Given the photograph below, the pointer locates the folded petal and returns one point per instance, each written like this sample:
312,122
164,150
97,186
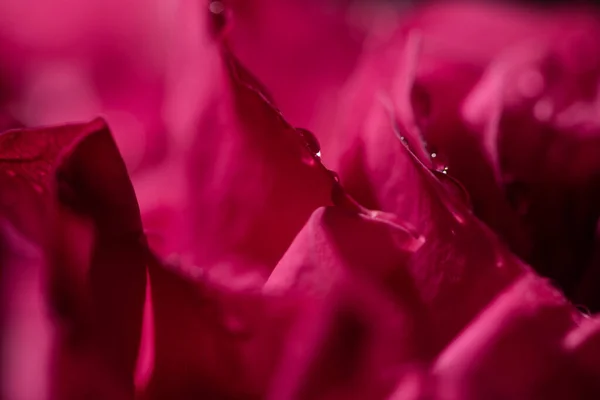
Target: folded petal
363,319
252,178
67,190
544,147
511,349
210,341
385,164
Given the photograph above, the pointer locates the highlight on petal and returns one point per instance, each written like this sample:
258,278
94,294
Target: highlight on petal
581,346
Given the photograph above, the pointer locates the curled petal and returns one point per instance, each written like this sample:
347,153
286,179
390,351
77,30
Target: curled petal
74,200
511,349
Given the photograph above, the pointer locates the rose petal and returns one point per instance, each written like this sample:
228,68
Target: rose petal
362,320
211,341
303,51
511,349
554,198
69,62
27,331
252,179
74,199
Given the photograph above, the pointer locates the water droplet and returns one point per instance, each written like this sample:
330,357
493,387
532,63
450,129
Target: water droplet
218,17
11,173
433,155
585,312
216,7
457,191
318,154
311,140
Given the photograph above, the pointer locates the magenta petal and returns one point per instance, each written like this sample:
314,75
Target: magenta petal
461,265
75,200
582,345
547,168
362,316
211,342
511,349
252,179
70,61
302,51
27,330
208,337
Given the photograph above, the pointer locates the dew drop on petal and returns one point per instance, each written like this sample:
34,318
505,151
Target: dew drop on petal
216,7
311,141
433,155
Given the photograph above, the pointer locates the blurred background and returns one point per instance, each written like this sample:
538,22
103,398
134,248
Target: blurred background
71,60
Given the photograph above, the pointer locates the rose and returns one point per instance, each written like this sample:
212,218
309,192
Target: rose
419,300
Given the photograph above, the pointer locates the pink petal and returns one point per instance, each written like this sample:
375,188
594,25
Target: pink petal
511,349
27,330
252,179
210,341
302,51
532,149
70,61
362,318
74,199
